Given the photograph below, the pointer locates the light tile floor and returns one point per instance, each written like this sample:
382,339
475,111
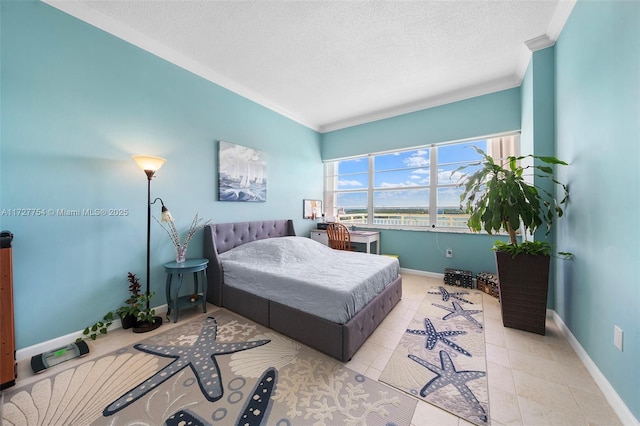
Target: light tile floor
533,380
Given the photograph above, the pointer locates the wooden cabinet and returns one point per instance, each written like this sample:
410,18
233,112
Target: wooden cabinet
7,331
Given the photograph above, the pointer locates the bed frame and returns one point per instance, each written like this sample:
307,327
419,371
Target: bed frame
340,341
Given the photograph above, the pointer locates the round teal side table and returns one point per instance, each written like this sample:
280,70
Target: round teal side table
174,300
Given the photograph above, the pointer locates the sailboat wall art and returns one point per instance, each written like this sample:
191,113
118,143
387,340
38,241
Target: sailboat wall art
242,173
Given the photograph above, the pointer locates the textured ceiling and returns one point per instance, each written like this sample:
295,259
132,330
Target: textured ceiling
331,64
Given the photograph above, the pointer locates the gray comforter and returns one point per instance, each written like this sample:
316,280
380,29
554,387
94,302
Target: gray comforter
308,275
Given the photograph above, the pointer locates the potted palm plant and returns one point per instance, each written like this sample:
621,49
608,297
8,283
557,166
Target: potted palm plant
500,200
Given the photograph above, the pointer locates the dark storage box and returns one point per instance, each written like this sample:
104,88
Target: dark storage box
458,278
488,282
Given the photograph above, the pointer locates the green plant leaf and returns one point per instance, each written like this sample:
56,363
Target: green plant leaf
552,160
565,255
498,198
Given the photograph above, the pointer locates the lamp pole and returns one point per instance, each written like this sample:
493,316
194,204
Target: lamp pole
149,174
150,165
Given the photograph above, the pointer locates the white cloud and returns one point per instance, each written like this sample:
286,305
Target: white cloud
343,183
446,176
418,159
398,185
421,180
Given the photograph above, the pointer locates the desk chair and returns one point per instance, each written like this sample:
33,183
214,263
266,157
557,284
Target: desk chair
339,238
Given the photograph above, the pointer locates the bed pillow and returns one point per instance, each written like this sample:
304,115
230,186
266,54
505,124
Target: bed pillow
277,250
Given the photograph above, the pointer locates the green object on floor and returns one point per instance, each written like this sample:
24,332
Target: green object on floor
48,359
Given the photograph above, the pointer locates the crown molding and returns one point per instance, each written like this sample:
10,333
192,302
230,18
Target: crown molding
559,18
117,29
486,88
125,33
539,43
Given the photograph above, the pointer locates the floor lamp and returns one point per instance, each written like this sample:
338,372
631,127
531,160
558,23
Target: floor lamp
150,165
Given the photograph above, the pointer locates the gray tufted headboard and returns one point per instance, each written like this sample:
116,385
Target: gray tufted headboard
222,237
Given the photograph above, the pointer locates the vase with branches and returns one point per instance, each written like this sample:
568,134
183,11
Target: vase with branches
171,230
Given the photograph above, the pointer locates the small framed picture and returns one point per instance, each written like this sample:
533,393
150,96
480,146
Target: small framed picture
311,209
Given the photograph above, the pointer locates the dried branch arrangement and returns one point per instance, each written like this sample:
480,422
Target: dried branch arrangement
171,230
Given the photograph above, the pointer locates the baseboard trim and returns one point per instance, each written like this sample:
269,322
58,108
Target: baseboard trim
421,273
431,275
58,342
618,405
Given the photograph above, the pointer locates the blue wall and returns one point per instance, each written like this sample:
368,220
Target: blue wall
480,116
76,104
598,132
538,133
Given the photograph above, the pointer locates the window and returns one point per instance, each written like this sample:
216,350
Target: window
414,188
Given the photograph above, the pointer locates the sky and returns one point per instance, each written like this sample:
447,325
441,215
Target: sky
408,169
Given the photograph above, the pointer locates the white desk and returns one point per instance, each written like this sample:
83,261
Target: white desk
365,237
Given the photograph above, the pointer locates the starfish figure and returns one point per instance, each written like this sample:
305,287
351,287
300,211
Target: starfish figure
446,374
446,295
433,336
201,357
459,311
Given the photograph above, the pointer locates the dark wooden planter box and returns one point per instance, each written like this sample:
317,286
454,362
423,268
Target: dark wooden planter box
524,283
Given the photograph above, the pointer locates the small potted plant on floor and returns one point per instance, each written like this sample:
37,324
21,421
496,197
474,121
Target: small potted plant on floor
133,314
137,307
134,310
500,199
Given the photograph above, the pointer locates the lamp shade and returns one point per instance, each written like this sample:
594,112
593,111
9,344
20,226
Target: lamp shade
148,162
166,215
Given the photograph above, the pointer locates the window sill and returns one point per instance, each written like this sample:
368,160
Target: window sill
414,228
422,229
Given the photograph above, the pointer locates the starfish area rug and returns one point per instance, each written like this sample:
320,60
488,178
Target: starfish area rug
441,356
216,370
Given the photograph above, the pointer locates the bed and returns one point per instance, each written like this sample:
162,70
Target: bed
336,337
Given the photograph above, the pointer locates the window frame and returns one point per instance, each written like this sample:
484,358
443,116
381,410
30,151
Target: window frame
433,187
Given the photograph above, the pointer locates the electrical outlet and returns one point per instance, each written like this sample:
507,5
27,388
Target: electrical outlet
617,337
449,252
